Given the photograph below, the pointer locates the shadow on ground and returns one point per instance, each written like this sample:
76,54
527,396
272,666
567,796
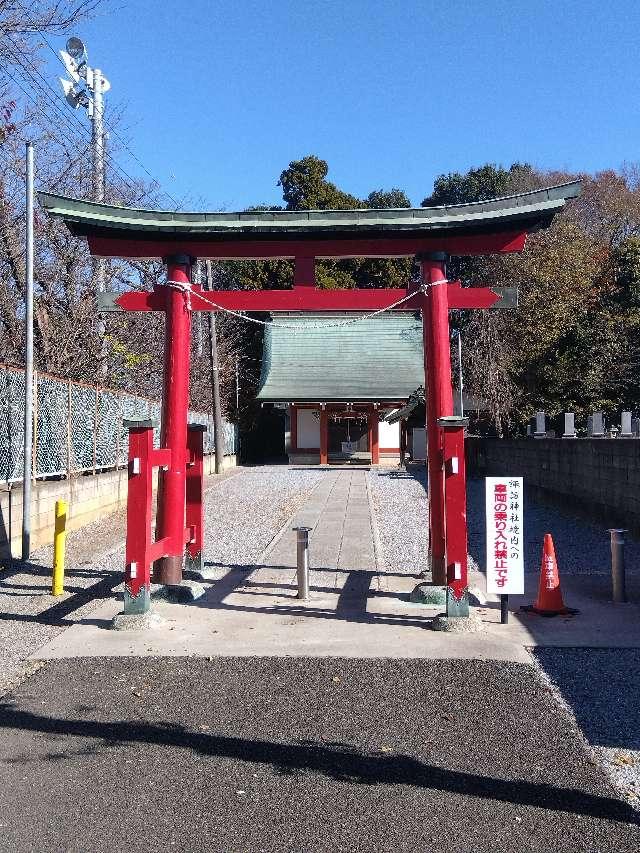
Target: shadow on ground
601,686
299,754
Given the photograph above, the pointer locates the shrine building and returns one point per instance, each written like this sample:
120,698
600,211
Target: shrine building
340,377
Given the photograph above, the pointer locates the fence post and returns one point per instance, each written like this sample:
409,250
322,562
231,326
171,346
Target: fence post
68,429
95,430
119,422
34,455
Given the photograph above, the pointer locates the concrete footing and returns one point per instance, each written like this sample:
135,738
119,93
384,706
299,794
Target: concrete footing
137,621
209,573
470,624
477,597
426,593
181,593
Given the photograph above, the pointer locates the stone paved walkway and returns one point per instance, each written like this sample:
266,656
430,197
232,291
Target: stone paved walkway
342,536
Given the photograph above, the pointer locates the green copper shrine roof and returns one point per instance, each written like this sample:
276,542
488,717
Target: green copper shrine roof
525,211
376,359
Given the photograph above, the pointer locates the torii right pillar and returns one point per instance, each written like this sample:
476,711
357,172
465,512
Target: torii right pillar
447,506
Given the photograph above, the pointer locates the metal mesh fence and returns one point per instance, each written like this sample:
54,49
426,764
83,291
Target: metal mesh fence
77,427
12,419
51,426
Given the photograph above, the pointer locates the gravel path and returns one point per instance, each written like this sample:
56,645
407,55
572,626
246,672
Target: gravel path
582,547
401,509
402,516
299,756
601,688
244,513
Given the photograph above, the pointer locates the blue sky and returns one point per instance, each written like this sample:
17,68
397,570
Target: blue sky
219,96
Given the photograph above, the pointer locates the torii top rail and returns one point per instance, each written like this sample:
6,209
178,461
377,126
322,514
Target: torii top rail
430,234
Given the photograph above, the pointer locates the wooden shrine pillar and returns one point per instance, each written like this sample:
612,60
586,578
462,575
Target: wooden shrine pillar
374,443
324,437
435,319
453,466
293,428
175,405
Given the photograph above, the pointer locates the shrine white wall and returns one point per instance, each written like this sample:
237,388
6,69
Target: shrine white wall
389,435
308,429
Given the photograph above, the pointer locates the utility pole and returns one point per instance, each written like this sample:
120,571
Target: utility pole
238,406
97,139
218,435
97,136
86,89
238,389
28,368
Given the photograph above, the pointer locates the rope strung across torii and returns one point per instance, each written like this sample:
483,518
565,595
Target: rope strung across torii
187,289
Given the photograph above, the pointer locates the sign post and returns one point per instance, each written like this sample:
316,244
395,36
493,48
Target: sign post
505,538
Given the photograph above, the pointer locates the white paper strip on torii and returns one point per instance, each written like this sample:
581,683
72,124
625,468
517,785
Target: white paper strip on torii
505,535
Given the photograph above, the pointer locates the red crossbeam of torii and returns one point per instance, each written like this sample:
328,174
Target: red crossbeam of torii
307,298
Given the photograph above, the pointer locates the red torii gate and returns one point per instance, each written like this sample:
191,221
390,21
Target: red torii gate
429,234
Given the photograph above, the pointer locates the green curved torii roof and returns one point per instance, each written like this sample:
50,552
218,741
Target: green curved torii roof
527,211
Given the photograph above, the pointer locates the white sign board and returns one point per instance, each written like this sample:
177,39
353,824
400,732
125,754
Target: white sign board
349,447
505,538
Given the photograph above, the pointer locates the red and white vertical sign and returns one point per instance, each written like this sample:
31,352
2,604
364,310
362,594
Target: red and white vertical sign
505,563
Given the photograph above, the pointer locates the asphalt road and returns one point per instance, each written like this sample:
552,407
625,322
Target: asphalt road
303,755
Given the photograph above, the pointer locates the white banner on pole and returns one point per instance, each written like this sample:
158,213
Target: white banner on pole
505,537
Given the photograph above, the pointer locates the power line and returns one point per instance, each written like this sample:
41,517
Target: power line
31,98
110,127
128,180
33,77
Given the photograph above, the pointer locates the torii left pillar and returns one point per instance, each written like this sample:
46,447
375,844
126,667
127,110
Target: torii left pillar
445,442
439,394
170,524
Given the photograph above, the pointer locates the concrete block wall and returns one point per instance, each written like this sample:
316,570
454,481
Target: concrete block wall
599,475
90,497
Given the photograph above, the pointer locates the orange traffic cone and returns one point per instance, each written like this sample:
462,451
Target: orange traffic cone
549,601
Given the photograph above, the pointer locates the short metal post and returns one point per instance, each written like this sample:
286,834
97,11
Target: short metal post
303,562
617,564
59,538
504,609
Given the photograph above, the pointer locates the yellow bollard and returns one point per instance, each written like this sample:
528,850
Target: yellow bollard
59,538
